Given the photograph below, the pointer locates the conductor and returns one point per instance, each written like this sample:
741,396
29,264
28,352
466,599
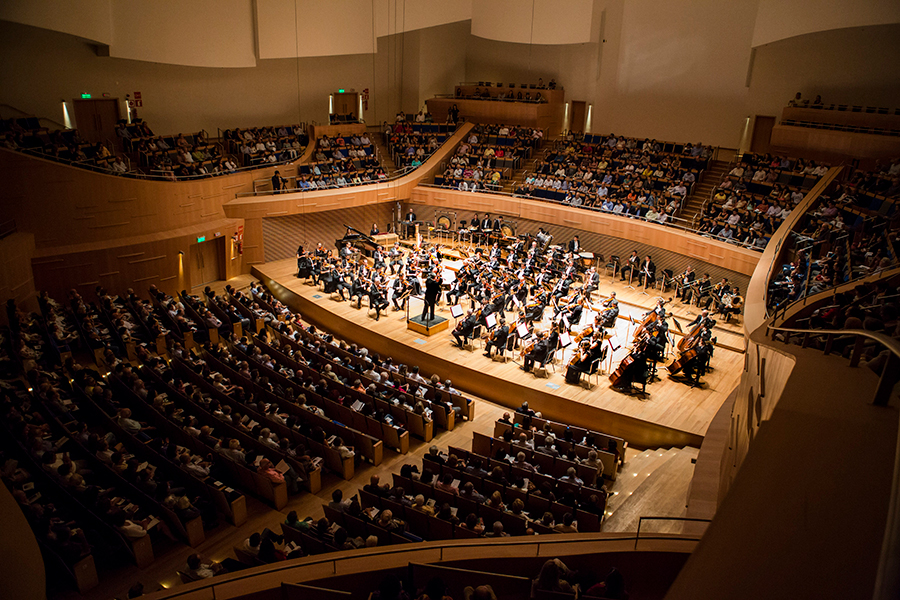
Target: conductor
432,293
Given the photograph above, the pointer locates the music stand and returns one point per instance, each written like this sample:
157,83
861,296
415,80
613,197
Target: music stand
646,279
630,278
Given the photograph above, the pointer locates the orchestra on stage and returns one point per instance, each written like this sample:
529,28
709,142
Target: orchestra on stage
547,289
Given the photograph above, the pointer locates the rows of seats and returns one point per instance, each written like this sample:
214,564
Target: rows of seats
410,148
128,495
266,145
841,239
488,155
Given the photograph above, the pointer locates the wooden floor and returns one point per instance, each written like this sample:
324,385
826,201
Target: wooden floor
671,407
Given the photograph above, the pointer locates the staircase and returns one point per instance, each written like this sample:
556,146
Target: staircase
518,175
652,483
384,156
702,190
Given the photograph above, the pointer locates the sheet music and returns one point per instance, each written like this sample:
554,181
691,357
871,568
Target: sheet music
522,330
491,321
456,311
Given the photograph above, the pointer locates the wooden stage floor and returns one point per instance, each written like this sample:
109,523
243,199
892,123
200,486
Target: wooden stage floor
671,414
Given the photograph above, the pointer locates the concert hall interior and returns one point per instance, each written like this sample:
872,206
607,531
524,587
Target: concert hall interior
508,299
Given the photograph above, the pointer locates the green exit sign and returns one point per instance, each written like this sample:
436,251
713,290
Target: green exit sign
202,238
85,96
340,91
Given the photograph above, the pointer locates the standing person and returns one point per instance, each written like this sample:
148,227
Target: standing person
410,223
432,293
278,182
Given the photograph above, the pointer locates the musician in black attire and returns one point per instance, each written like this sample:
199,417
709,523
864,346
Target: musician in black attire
701,290
647,274
457,289
703,318
497,339
377,300
561,289
580,363
401,289
539,353
374,231
591,282
432,293
699,365
409,223
685,280
463,331
635,372
304,265
633,264
535,310
341,283
575,245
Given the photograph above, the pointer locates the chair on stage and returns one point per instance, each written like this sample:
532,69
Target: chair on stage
612,265
595,371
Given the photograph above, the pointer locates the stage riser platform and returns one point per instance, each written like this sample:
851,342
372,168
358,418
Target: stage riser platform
638,432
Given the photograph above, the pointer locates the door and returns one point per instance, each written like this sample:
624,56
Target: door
762,133
96,119
346,103
206,262
577,116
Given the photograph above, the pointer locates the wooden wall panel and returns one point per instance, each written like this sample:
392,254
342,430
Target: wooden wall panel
282,235
144,261
16,280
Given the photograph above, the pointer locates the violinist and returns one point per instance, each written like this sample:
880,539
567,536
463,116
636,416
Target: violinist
464,330
561,289
497,339
610,310
457,289
304,264
400,292
396,257
378,258
541,280
341,284
377,299
359,287
591,282
519,291
534,310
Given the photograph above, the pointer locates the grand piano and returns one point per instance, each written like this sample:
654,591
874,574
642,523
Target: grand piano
365,243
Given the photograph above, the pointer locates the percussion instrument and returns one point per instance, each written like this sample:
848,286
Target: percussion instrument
587,259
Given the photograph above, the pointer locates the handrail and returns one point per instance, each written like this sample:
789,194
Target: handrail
351,559
668,223
36,153
641,520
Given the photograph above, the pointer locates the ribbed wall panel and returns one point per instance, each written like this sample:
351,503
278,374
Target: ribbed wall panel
282,235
